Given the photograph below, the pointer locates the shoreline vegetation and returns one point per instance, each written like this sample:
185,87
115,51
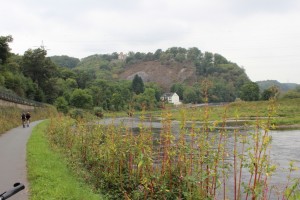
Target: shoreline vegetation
52,172
194,164
287,114
127,166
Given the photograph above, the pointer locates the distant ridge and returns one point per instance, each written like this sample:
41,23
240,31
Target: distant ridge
282,86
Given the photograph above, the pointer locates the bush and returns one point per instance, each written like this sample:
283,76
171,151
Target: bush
98,111
61,105
76,114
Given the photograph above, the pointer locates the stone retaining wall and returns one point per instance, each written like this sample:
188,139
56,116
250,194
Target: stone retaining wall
12,104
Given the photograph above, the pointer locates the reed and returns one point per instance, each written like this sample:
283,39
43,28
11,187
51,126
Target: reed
200,162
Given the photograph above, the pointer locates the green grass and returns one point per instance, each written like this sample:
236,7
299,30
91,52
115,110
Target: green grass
10,117
287,111
48,174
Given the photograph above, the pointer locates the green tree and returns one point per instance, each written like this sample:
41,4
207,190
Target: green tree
101,91
271,92
221,92
15,82
71,83
137,85
4,48
39,68
52,89
194,54
179,89
180,57
149,56
66,73
157,54
190,95
205,65
145,100
65,61
61,104
139,56
13,64
219,59
39,94
31,88
157,89
81,99
266,94
2,80
84,77
292,94
117,102
250,92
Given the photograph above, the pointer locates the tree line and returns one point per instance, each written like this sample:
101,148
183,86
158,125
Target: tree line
90,83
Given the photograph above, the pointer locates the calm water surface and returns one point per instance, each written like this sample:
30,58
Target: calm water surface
285,147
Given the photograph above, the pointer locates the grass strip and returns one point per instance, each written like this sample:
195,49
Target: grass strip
48,174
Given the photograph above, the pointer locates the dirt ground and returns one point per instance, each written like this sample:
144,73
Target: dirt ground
166,75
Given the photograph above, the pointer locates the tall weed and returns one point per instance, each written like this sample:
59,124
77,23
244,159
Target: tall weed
197,162
10,117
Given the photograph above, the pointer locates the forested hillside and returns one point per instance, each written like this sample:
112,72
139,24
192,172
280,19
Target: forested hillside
106,81
172,70
284,87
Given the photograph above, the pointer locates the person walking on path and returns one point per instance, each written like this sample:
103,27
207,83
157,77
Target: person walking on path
28,118
23,117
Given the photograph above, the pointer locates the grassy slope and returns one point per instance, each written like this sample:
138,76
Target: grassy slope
287,112
10,117
48,174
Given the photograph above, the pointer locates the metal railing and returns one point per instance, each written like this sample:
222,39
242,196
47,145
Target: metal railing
20,100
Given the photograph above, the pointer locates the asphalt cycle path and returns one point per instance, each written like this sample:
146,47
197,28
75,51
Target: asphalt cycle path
13,160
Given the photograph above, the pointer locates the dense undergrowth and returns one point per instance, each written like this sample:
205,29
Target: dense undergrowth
201,162
48,173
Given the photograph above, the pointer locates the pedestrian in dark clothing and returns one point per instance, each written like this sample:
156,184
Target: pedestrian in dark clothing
28,118
23,117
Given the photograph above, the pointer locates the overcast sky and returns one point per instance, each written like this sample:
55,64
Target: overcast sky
262,36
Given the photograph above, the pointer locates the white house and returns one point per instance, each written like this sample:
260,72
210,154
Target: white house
171,98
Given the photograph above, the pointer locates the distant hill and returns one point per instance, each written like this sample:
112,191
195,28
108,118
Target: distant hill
176,65
282,86
65,61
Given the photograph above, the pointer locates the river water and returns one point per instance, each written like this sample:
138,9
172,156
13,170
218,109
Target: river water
285,147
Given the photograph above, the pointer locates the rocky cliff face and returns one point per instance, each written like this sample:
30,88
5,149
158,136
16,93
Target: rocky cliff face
163,74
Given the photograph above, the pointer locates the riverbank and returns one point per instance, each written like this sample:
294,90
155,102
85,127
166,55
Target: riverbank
53,172
283,113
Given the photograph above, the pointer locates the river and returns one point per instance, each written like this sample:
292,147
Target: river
285,147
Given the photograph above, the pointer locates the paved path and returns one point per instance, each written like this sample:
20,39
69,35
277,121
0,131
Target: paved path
13,160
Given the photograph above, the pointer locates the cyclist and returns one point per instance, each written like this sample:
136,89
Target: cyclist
23,117
28,118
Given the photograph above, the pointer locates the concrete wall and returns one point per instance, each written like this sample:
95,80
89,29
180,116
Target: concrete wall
12,104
